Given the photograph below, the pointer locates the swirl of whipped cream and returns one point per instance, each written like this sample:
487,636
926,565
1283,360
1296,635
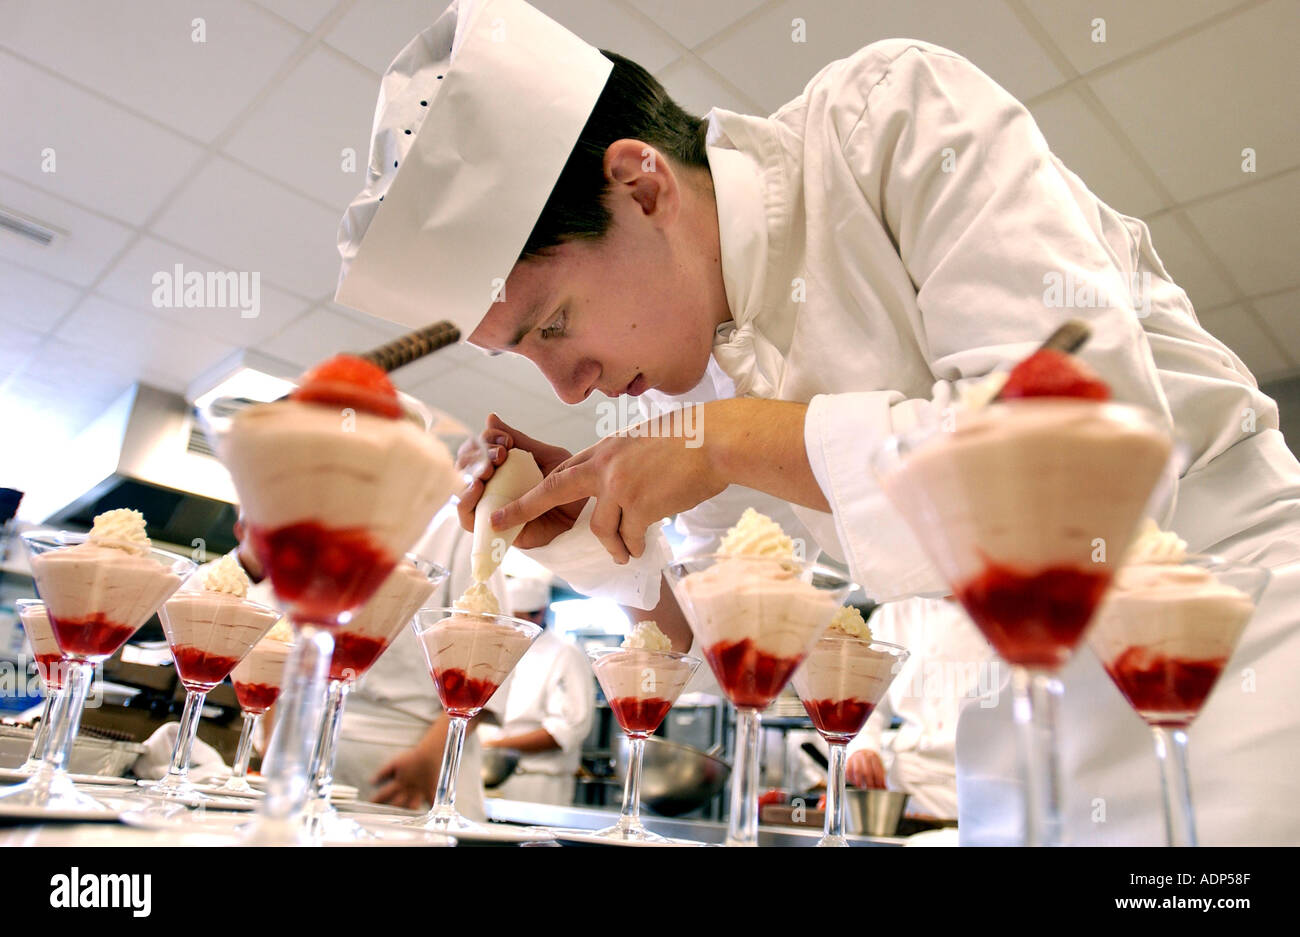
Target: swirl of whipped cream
647,636
121,529
757,534
479,600
281,631
848,620
1153,546
226,575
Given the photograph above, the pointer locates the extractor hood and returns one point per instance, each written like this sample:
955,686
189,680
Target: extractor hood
146,451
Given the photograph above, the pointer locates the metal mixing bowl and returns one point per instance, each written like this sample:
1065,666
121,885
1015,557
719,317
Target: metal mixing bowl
675,778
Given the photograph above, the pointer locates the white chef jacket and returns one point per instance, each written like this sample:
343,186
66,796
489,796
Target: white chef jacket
950,666
894,232
552,688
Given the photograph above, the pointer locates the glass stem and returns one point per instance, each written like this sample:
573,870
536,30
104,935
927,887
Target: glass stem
743,828
834,828
1171,752
189,727
245,749
322,772
302,699
1035,699
42,737
444,797
630,816
66,718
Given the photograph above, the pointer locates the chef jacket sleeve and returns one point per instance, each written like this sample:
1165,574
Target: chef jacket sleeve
570,699
985,222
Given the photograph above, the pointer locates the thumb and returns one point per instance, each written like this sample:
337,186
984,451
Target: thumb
547,456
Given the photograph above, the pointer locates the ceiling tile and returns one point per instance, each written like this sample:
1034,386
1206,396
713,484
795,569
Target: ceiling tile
518,370
1188,264
85,246
1083,143
130,282
609,26
1254,232
250,223
154,350
1237,329
18,345
690,22
305,14
374,41
470,395
698,88
32,301
761,58
1128,26
103,157
321,334
298,134
1204,99
1281,312
150,62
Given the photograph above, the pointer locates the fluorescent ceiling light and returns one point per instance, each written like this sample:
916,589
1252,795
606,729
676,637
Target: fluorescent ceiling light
247,373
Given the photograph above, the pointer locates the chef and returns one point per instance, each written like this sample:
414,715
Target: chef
897,231
549,703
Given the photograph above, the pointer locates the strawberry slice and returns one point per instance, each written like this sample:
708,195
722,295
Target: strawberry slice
1051,373
349,381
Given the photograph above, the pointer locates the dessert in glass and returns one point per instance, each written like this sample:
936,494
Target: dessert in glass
336,482
357,645
98,589
840,682
1025,505
1164,634
210,630
471,649
50,666
756,611
641,680
256,680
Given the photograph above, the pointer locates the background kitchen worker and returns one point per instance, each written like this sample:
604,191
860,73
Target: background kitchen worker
848,263
549,703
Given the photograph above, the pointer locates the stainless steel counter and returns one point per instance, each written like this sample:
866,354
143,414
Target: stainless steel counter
704,831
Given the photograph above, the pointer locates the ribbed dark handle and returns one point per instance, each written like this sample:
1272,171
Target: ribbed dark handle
1070,337
402,351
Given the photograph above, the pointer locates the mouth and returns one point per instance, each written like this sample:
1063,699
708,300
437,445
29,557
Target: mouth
638,386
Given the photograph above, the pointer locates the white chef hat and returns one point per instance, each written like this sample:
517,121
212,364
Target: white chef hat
528,593
475,121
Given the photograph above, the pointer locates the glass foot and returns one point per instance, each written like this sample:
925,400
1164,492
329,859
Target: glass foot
833,841
50,790
179,790
237,786
447,821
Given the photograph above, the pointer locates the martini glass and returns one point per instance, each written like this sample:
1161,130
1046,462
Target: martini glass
209,633
1024,507
469,654
95,603
256,680
357,645
756,619
840,683
49,664
641,685
332,498
1164,635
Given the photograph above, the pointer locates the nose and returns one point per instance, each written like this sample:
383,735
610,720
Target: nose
572,383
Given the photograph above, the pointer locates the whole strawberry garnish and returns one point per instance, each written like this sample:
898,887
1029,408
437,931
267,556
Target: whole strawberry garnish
349,381
1051,373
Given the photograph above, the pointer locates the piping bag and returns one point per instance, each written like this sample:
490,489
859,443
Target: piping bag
513,477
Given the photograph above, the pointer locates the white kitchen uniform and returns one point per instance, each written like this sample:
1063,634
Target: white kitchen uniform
902,227
950,666
392,706
552,688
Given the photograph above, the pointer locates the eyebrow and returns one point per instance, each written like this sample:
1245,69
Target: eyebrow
530,319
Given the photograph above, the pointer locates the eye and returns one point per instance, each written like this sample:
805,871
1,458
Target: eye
555,328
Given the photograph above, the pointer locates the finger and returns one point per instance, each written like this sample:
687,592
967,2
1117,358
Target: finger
547,455
632,533
469,499
560,487
386,794
383,774
605,520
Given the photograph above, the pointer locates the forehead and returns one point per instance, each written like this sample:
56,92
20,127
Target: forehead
530,286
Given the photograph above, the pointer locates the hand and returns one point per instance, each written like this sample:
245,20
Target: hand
245,555
409,779
500,438
865,769
638,477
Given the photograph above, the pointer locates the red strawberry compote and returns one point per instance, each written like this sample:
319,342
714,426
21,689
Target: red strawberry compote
99,592
336,485
845,675
45,646
358,644
258,677
643,678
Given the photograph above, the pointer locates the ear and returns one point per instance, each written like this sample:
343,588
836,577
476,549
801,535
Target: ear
637,171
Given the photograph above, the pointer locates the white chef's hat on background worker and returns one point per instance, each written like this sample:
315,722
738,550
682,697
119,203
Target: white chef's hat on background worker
528,594
475,121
